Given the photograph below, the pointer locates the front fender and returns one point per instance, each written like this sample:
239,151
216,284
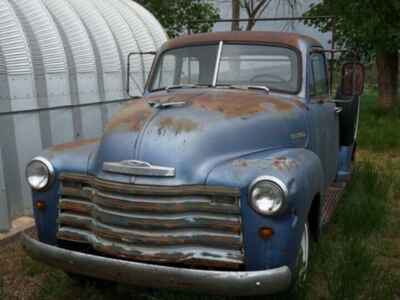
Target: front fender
71,157
302,172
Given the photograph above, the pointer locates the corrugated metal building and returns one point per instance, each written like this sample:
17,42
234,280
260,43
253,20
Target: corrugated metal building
62,75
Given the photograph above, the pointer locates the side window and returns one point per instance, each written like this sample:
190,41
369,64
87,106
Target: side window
319,78
168,65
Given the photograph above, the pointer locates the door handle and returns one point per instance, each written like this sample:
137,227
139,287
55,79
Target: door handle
338,110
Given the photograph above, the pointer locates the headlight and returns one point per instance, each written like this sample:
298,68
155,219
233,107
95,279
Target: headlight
268,196
39,173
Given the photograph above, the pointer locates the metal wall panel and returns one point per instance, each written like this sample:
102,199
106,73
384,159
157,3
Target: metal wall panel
28,144
62,126
92,125
62,76
4,211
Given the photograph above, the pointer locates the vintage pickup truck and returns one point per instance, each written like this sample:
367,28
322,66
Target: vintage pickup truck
216,180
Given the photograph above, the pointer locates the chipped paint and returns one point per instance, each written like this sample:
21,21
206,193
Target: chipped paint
284,163
132,117
177,126
241,104
298,135
73,145
279,163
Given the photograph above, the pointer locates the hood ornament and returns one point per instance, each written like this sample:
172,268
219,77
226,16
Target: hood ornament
138,168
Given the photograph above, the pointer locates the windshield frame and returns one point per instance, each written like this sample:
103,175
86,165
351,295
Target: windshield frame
220,45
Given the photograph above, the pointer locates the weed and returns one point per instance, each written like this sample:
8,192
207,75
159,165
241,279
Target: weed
378,131
2,289
349,266
364,208
32,268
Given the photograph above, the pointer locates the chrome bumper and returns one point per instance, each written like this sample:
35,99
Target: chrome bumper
148,275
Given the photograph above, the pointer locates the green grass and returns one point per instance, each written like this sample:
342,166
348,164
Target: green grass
378,131
357,255
347,256
2,289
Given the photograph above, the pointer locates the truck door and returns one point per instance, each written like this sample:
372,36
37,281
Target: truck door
324,121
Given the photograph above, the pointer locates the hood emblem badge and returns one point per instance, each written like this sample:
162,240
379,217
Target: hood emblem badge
138,168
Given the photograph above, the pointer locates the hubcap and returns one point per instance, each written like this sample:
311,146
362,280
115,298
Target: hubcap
304,253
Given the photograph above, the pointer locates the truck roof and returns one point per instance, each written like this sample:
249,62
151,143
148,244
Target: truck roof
269,37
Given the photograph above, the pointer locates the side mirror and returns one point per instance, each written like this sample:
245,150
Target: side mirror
353,77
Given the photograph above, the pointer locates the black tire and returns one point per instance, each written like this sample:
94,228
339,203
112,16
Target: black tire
348,120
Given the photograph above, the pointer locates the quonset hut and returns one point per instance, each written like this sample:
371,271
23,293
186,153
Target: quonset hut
63,74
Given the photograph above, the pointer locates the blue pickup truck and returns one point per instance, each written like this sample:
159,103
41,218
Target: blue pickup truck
216,180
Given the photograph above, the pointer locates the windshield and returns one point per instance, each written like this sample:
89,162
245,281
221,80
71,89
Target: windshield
276,68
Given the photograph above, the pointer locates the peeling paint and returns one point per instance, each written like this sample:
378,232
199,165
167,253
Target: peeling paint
284,163
132,117
177,126
279,163
73,145
241,104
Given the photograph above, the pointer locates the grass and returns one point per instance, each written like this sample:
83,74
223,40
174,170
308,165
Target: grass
357,258
378,131
2,289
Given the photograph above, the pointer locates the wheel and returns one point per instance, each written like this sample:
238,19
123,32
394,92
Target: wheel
303,256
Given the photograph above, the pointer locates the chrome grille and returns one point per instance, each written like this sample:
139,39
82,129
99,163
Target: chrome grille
196,226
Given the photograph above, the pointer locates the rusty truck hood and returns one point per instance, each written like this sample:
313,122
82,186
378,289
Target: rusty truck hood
207,128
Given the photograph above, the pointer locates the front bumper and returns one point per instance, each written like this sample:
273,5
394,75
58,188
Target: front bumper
148,275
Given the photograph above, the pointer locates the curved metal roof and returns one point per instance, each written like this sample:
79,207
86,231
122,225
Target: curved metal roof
66,52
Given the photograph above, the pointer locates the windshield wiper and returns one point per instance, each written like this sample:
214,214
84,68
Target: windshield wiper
249,87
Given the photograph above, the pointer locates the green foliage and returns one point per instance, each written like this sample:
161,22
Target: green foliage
365,25
178,15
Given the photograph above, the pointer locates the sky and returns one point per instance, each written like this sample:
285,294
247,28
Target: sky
276,9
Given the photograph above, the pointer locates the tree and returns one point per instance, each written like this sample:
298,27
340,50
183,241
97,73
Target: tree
177,16
372,28
255,9
235,15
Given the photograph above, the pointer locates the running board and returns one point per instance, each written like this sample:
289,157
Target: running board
332,196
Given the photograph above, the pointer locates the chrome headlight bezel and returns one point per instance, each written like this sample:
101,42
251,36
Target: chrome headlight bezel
278,185
50,174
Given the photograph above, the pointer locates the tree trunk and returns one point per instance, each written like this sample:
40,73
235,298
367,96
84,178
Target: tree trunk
251,24
388,67
236,15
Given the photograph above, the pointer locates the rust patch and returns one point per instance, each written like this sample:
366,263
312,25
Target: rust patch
73,145
132,117
240,104
241,163
299,104
176,125
284,163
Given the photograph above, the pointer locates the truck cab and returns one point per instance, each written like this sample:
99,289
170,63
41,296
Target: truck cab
217,179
